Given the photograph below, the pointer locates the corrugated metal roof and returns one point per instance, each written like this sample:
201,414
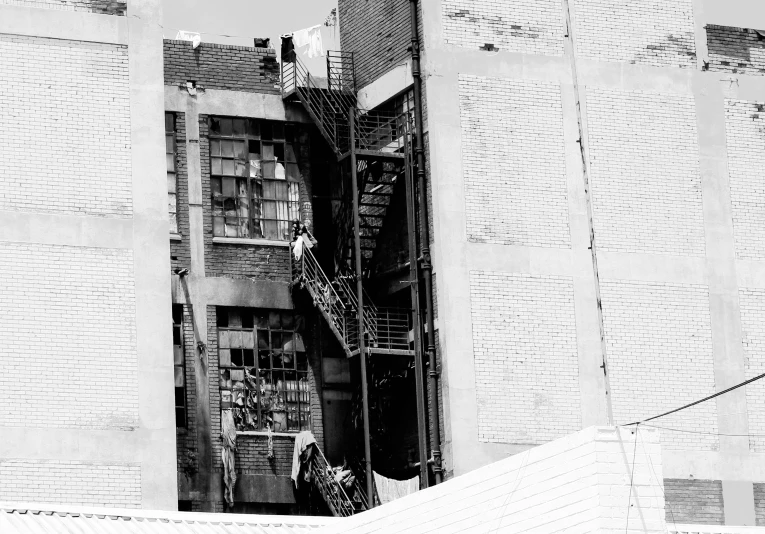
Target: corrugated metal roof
63,519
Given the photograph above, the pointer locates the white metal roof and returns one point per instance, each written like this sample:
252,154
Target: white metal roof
63,519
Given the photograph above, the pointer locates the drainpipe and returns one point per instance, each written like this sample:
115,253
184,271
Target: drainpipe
427,267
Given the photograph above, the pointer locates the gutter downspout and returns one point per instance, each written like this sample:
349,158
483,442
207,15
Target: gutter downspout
427,267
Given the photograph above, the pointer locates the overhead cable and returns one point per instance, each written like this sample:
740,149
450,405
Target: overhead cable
699,401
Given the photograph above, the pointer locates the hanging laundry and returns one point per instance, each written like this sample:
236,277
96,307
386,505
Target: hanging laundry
302,37
389,489
315,47
310,37
302,453
228,436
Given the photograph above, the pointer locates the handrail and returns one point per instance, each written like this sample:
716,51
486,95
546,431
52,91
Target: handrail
332,491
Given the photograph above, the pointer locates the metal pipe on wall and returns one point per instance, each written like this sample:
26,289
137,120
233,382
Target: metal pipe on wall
426,265
360,301
419,373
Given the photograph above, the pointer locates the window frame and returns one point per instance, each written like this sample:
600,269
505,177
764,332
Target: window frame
179,367
171,149
291,397
265,206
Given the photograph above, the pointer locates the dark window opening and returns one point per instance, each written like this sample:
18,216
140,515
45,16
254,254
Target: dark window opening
172,181
179,361
254,178
263,369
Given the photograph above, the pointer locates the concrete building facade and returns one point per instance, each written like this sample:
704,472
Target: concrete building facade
87,404
595,190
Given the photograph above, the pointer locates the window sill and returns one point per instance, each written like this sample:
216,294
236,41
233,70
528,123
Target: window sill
265,434
176,237
244,241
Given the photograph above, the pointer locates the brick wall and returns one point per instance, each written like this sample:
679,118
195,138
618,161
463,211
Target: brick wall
252,450
694,501
752,302
70,482
526,363
644,169
265,262
186,437
524,26
378,32
104,7
657,335
69,336
180,251
759,504
513,162
735,50
65,127
745,139
216,66
643,32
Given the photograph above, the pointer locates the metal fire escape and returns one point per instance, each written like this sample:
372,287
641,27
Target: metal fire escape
373,153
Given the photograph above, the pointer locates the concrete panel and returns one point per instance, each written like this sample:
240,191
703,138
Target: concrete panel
57,24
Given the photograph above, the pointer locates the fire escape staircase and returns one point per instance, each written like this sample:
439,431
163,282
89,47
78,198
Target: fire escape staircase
342,500
377,142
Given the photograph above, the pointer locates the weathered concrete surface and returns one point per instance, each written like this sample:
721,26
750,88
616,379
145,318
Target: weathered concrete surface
150,445
717,269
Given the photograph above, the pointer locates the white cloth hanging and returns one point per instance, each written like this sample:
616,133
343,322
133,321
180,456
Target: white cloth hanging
315,47
310,37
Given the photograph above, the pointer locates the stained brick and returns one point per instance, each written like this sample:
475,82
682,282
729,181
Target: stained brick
644,169
657,335
216,66
514,162
70,358
110,485
65,127
103,7
745,139
694,501
524,26
378,32
644,32
740,50
526,364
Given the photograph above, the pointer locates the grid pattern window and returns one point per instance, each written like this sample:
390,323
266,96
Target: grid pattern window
254,178
172,182
263,369
180,367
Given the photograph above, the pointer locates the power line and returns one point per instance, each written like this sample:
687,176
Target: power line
699,401
632,479
658,484
705,433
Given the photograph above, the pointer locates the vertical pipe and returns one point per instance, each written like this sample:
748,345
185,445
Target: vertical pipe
427,267
413,284
360,302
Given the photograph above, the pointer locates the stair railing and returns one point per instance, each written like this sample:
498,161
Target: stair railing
325,297
331,490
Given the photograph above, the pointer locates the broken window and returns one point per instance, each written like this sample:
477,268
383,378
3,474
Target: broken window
170,153
254,178
263,369
179,366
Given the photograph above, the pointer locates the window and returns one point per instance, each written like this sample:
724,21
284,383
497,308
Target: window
179,362
172,199
263,369
254,178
